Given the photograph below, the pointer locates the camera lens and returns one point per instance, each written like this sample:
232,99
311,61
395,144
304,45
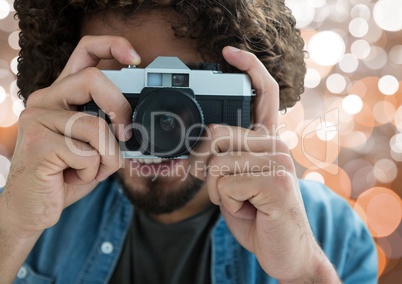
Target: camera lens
167,122
172,119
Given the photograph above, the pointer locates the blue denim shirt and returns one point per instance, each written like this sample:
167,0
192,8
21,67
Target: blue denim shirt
84,246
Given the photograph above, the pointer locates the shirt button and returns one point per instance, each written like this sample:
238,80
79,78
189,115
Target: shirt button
228,271
22,273
120,190
107,248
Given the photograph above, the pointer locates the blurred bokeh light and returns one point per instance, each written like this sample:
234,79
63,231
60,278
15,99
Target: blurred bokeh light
354,69
347,130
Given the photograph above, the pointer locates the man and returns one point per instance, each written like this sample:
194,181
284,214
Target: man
66,219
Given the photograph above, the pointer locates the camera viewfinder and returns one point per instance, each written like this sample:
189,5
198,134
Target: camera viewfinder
180,80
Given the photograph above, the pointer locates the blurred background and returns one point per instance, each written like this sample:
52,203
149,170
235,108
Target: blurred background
347,130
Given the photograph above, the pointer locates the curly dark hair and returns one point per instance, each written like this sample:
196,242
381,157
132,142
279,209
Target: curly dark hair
50,30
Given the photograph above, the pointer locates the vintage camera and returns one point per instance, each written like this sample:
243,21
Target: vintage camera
172,105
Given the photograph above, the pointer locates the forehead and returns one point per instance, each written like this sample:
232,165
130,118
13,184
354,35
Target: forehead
150,33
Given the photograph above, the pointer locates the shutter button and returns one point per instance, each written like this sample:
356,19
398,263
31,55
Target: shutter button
22,273
107,248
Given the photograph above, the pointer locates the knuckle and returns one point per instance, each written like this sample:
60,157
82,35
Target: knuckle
219,166
50,212
285,181
80,148
213,130
123,106
95,159
109,168
33,135
85,40
27,115
103,125
93,123
34,140
214,161
83,152
35,98
274,85
217,131
281,146
221,184
93,74
253,58
96,126
286,160
118,40
231,209
253,61
215,199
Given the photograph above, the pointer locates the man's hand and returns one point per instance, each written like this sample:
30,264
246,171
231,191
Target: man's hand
61,154
251,176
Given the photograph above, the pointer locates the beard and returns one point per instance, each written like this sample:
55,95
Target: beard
157,198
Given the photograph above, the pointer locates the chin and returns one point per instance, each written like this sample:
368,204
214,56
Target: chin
158,188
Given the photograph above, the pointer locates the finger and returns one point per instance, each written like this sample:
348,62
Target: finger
80,169
222,139
52,152
247,162
91,49
219,166
266,104
90,130
268,193
247,211
82,87
243,163
236,200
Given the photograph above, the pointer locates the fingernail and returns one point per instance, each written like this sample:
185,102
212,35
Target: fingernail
135,56
233,49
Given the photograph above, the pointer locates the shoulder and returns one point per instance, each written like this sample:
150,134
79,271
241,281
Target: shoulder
74,243
327,211
316,193
340,232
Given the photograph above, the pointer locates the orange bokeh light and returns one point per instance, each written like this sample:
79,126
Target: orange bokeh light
357,209
339,182
384,112
314,153
365,116
292,119
367,89
382,260
396,100
383,210
323,70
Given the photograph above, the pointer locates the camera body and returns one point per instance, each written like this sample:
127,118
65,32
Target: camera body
172,104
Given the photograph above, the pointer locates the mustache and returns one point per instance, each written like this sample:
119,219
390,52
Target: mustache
158,198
